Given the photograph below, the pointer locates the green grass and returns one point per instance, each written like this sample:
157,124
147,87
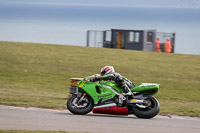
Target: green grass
29,131
39,74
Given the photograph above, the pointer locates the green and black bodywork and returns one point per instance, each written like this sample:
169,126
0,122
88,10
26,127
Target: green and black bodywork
102,93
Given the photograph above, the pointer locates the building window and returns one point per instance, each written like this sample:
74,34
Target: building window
149,36
137,37
133,36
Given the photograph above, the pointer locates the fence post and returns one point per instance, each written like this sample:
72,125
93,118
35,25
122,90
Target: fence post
88,41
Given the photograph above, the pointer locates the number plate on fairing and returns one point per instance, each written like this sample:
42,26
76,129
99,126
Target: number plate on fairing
83,82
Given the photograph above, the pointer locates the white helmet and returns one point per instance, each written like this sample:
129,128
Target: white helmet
107,70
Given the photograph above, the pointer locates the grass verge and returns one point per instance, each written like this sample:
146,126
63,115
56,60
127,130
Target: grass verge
38,74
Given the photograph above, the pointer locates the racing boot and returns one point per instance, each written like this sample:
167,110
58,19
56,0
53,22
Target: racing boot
127,90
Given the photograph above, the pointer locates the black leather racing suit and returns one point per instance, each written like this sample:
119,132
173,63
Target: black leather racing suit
121,81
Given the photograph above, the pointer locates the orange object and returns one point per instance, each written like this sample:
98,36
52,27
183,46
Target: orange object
119,40
157,45
75,81
168,46
69,95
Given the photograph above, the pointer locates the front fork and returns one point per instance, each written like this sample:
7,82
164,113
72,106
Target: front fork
82,98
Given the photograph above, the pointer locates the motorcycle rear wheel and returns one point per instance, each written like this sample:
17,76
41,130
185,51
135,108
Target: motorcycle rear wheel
84,108
147,112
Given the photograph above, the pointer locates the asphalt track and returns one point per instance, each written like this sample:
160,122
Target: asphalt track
56,120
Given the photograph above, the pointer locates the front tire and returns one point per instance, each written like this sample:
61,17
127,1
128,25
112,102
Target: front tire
147,112
83,108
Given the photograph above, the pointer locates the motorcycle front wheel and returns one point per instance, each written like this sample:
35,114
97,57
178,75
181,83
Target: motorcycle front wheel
147,111
83,107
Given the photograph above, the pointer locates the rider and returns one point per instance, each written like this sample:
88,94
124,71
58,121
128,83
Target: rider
108,73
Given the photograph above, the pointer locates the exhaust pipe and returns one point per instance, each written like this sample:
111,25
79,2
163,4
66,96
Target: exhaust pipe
111,109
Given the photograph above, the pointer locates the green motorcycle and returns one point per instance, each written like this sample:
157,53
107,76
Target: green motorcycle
91,95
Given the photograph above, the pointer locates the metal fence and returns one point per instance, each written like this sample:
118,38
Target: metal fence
164,36
95,38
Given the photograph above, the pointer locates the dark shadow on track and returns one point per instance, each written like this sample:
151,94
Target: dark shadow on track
101,115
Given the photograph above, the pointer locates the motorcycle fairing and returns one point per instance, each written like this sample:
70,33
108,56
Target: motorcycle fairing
146,88
96,91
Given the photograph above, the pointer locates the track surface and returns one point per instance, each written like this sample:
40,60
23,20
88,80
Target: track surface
44,119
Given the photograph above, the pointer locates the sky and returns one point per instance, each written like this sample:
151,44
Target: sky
66,21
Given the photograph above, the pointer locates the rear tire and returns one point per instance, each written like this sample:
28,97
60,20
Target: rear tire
148,112
84,108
